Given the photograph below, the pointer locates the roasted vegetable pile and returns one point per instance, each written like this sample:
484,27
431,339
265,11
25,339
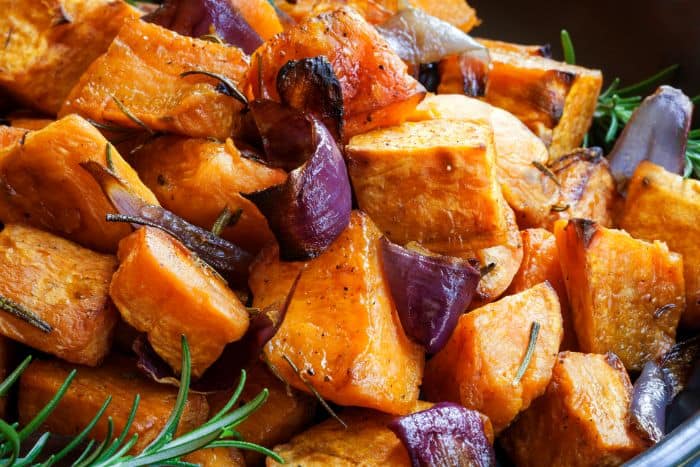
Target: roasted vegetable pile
334,232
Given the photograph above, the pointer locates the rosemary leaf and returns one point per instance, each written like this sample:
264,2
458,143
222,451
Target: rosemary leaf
21,312
559,208
108,157
662,310
487,269
227,218
229,88
212,38
534,332
568,47
131,116
542,168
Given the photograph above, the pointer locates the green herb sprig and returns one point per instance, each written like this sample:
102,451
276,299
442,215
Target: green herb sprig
616,106
219,431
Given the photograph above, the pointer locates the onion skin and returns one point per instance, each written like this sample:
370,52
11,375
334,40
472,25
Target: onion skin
649,400
225,257
197,17
309,210
445,434
657,132
430,292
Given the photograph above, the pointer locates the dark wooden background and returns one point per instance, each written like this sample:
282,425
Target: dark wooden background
631,39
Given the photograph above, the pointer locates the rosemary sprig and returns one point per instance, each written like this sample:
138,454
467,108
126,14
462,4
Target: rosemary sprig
20,311
227,86
165,449
534,332
108,157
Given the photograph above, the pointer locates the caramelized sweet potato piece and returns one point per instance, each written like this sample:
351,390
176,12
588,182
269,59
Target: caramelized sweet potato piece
586,188
63,284
162,289
581,420
433,182
197,178
478,366
30,123
377,90
118,378
553,99
285,412
626,295
141,71
527,190
49,44
520,49
541,263
342,305
43,184
665,206
216,457
261,16
9,135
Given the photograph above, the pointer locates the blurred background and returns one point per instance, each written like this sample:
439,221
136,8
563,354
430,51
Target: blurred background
630,39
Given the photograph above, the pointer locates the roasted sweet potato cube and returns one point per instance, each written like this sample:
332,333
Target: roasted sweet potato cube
433,182
377,90
520,49
529,191
10,135
261,15
478,366
162,289
138,78
118,378
42,182
63,284
342,305
553,99
586,188
285,412
30,123
665,206
197,178
49,44
216,457
541,263
582,418
626,295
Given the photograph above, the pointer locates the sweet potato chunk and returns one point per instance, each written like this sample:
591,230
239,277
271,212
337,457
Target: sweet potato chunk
433,182
197,178
478,366
587,189
520,49
260,15
118,378
10,135
43,184
343,306
63,284
161,289
553,99
581,420
626,295
141,71
29,123
526,189
541,263
664,206
285,412
49,44
216,457
377,90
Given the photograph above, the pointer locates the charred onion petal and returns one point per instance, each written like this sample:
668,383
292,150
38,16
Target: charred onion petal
657,132
198,17
150,363
445,434
286,133
649,400
311,86
430,292
309,210
678,363
225,257
419,39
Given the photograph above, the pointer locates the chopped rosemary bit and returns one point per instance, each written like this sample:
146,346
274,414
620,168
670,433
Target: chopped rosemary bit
212,38
534,332
542,168
19,311
131,116
227,218
559,207
108,157
487,269
228,87
662,310
313,390
568,47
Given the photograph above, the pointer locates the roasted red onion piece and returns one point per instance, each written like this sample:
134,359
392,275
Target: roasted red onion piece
311,86
649,400
657,132
200,17
445,434
419,38
677,364
431,292
286,134
225,257
309,210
